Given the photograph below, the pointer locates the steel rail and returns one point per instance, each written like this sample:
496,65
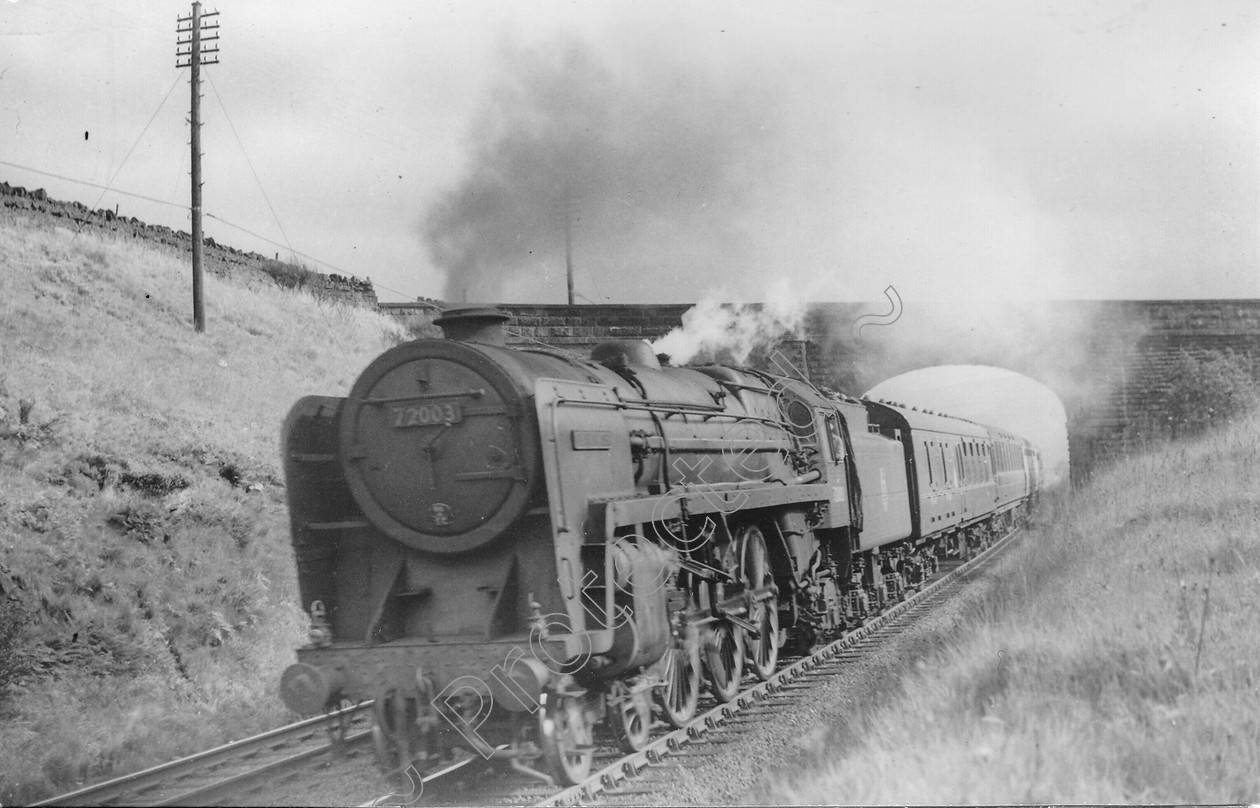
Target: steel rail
239,783
417,783
130,788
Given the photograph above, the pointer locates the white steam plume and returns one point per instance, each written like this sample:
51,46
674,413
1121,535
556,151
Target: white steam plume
732,331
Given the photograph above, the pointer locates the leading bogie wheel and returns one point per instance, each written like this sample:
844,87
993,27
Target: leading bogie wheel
723,658
566,738
680,695
630,718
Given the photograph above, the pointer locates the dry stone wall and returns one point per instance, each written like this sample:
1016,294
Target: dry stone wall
220,259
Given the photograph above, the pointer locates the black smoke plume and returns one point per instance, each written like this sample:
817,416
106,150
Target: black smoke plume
655,164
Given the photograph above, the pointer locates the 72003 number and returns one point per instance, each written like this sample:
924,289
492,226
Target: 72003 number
426,414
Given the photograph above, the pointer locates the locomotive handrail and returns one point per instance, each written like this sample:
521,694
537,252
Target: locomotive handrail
710,444
653,403
672,407
706,414
474,393
696,409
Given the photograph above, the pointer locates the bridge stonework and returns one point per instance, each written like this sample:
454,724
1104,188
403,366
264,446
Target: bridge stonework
1106,360
1127,417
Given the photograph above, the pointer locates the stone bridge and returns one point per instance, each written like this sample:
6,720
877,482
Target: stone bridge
1106,360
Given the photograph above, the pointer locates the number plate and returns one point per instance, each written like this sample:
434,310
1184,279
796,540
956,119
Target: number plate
425,414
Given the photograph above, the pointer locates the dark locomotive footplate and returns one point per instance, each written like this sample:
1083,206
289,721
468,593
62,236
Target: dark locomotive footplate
365,672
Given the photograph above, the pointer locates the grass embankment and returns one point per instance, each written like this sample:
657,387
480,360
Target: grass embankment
146,579
1120,665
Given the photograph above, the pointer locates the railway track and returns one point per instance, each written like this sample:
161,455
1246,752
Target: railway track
237,769
645,774
651,774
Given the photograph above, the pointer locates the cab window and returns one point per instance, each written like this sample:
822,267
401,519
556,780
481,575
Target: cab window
834,439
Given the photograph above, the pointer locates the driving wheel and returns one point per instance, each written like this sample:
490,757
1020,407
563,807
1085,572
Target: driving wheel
566,738
762,644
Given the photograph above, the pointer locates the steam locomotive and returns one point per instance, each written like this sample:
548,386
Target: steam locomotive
519,552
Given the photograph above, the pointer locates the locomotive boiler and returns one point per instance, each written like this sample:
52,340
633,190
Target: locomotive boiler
513,550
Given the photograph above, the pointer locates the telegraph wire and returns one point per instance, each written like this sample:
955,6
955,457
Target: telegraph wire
277,244
249,162
118,171
92,184
186,207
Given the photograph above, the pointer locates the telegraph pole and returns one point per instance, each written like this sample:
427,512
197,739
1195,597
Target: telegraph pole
197,55
568,252
568,212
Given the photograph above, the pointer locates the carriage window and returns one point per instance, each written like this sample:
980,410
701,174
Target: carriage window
944,468
927,452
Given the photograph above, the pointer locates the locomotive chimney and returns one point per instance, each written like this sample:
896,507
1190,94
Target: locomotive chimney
474,324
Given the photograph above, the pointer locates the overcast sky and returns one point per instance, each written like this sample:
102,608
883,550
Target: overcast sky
951,148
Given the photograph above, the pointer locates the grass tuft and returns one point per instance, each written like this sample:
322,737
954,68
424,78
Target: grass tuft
1113,661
